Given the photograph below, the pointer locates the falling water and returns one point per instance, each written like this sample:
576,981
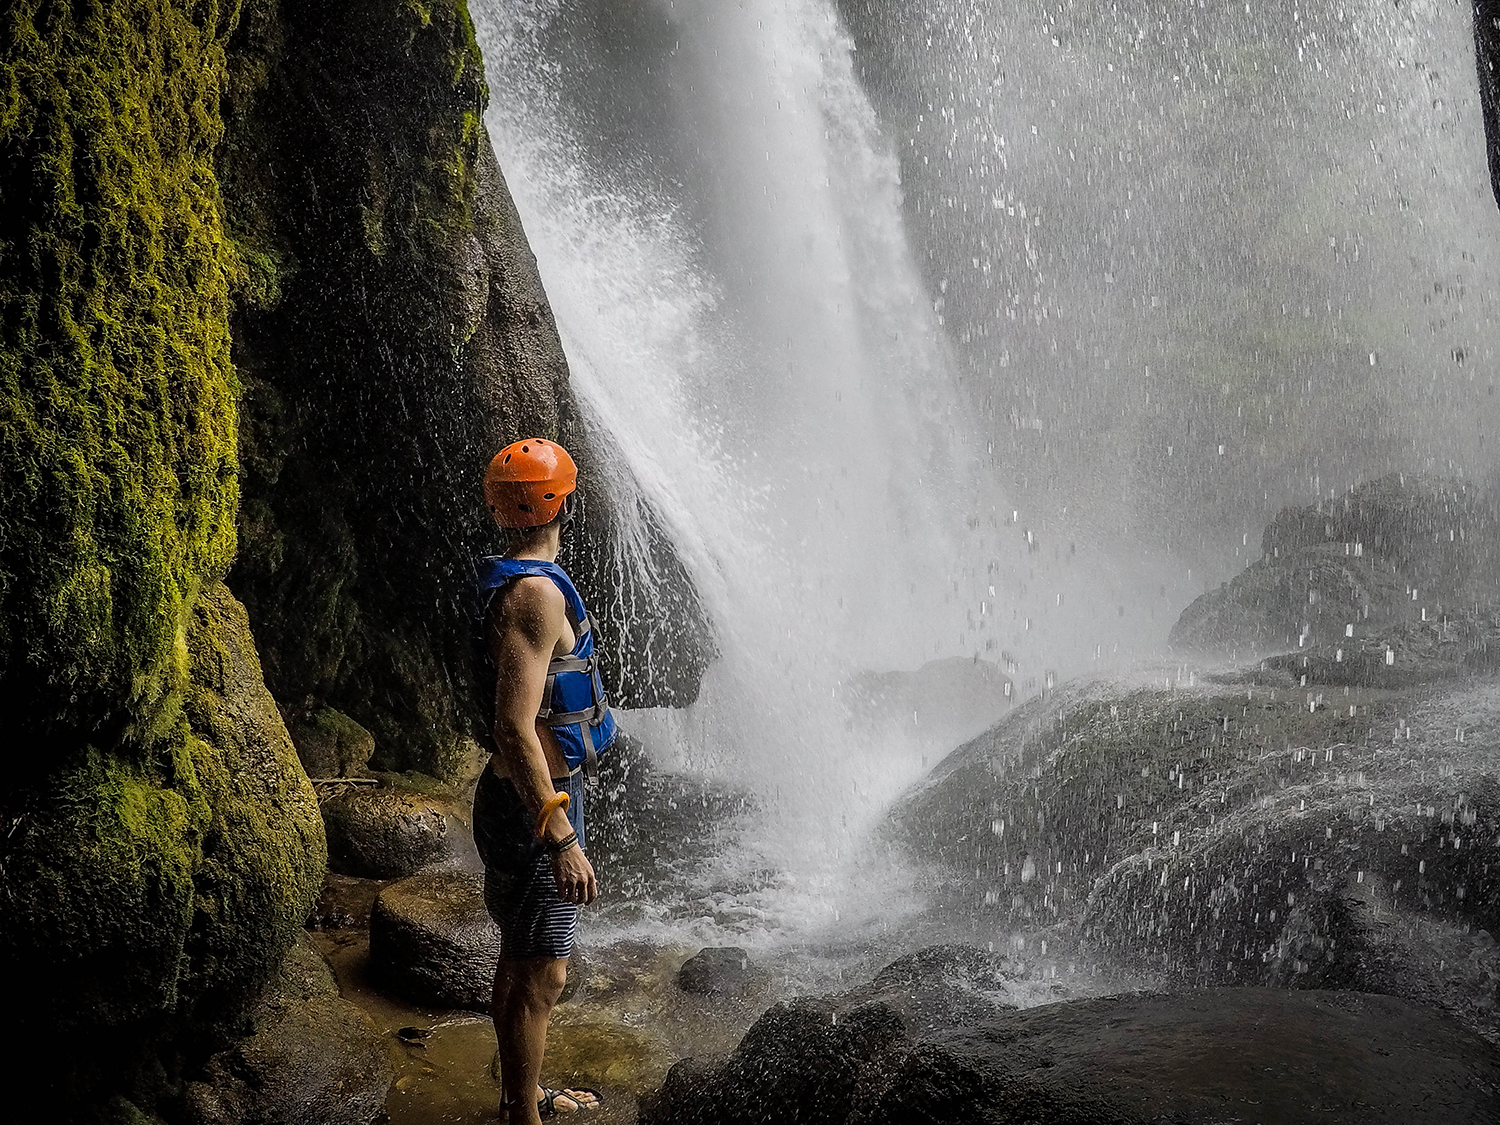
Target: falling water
982,330
1201,259
757,348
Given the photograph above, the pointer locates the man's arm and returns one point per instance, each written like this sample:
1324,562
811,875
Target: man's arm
525,627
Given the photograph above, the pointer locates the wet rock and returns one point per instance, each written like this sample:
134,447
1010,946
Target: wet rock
151,896
385,833
1198,1058
331,744
432,941
716,970
1236,835
1190,1058
1460,643
942,986
311,1056
344,903
802,1061
1353,573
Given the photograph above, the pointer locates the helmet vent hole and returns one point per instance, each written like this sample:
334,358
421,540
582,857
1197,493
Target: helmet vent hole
507,460
525,449
550,496
524,507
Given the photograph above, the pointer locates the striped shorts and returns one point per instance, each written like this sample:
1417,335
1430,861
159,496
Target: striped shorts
520,892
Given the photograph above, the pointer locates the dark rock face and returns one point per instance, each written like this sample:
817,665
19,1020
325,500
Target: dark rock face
942,986
1404,564
432,941
1201,1057
1208,1056
311,1056
801,1062
386,833
402,338
1487,44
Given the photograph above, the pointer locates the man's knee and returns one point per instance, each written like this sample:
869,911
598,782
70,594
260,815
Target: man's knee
539,979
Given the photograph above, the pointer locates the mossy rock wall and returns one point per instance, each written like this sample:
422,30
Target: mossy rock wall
152,894
398,337
117,418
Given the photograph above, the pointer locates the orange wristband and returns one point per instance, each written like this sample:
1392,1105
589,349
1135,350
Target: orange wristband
558,801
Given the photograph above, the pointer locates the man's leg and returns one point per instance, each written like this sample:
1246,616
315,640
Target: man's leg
526,991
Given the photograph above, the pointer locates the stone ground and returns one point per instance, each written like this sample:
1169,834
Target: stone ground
622,1024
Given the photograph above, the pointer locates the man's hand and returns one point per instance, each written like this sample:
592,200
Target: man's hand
575,877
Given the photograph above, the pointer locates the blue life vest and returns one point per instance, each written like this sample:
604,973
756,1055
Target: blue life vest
573,702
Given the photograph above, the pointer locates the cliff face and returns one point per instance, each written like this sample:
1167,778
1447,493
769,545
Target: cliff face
117,421
1487,49
246,250
162,844
403,337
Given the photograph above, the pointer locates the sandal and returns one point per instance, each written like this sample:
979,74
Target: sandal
547,1105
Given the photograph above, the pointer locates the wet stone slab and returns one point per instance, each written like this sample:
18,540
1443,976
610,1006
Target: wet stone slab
1218,1055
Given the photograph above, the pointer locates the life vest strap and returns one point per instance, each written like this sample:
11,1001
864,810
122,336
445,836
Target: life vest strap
592,715
585,721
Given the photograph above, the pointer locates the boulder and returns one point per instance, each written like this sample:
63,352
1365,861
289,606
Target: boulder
387,833
805,1058
1200,1058
432,941
161,891
331,744
716,970
1353,575
1459,644
945,986
1237,834
310,1057
801,1062
344,903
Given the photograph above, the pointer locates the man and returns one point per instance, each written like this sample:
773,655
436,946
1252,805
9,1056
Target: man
551,720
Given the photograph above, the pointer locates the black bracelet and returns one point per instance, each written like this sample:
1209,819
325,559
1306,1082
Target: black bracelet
557,847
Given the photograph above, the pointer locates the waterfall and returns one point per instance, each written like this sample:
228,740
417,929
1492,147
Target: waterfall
748,334
984,330
1206,259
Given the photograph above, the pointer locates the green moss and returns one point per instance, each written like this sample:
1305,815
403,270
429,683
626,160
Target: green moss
163,891
101,890
263,853
117,422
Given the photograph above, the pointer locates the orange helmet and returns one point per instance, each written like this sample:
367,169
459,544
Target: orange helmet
527,481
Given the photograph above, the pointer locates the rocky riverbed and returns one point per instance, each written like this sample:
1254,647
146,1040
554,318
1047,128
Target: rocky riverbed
1264,886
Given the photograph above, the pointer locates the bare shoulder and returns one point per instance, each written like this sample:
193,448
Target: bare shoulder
531,604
